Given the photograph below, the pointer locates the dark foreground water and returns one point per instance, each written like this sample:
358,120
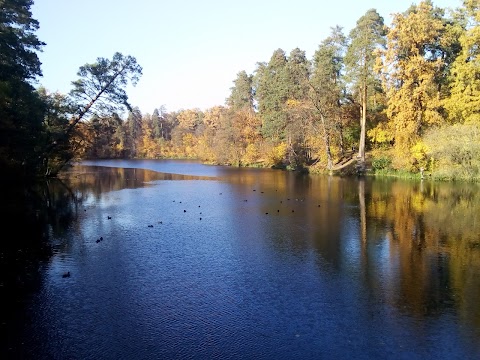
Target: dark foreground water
201,262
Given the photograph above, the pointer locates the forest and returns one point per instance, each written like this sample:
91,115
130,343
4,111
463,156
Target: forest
401,100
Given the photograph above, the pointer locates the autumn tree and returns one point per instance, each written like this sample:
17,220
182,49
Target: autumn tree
189,119
412,68
184,134
463,104
227,147
241,116
367,36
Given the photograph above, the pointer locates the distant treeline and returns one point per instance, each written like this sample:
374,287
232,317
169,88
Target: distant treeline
398,98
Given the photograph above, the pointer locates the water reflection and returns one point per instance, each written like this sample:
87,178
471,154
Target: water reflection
376,266
433,232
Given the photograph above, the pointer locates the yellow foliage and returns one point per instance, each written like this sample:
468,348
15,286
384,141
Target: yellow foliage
277,154
189,142
464,102
251,154
214,117
291,103
315,143
147,146
247,124
410,78
417,201
380,134
189,119
204,150
188,139
419,152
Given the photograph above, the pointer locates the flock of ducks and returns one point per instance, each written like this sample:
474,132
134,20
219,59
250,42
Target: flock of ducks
67,274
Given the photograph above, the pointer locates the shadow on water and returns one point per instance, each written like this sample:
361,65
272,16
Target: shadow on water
33,214
25,214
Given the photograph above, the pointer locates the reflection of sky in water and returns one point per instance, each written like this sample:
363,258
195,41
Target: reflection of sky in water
184,167
352,242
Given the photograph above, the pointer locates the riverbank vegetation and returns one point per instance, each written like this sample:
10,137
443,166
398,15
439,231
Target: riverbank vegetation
396,99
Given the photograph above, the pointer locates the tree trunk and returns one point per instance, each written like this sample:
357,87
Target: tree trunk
363,123
326,138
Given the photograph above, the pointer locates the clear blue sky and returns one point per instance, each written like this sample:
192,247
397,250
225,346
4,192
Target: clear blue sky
190,50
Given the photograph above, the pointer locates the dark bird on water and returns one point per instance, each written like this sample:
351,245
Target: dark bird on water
109,217
67,274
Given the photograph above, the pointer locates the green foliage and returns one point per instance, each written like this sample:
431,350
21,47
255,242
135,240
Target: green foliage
298,74
18,43
382,163
365,38
241,96
21,109
21,115
271,92
327,87
101,86
58,111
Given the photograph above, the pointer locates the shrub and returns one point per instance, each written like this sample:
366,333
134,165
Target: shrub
381,163
455,150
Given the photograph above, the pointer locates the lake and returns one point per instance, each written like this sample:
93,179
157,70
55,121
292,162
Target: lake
163,259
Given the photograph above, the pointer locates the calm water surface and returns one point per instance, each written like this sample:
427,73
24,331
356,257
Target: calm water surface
179,260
